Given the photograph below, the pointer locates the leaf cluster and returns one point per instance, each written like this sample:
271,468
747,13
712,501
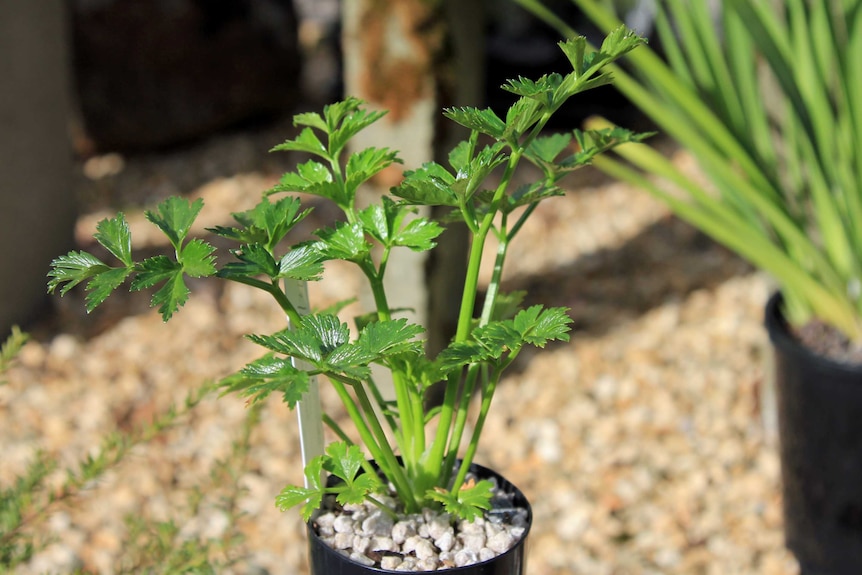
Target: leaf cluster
477,185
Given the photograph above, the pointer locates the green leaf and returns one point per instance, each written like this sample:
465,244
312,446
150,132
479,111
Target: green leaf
483,121
267,375
312,178
383,222
115,236
468,503
520,116
547,148
154,270
301,263
538,325
363,165
430,185
103,284
343,460
418,235
267,223
352,123
309,497
197,259
254,260
171,296
459,354
312,340
175,217
73,268
344,242
381,338
479,168
306,141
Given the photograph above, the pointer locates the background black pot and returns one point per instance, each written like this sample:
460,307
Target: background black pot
819,405
324,560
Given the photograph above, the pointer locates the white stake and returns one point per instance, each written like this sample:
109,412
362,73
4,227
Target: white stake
308,409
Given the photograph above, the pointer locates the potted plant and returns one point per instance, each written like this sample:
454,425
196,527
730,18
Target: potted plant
767,98
406,469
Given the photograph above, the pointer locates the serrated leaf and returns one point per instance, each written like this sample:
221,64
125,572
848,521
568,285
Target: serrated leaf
267,375
312,120
154,270
306,141
363,165
525,195
538,325
171,296
468,503
312,340
301,263
254,260
114,235
479,169
547,148
430,185
175,217
310,497
459,156
351,124
73,268
343,460
383,222
197,259
483,121
312,178
344,242
389,337
459,354
520,116
103,284
418,235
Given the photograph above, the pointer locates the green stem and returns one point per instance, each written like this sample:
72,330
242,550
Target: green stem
276,293
389,463
487,395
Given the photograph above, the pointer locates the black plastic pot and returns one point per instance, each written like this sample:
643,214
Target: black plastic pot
819,405
324,560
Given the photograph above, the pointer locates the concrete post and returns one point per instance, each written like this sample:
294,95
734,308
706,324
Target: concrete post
37,205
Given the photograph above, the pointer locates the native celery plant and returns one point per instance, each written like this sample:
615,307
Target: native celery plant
478,188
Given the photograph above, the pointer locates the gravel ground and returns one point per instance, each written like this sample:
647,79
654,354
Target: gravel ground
641,443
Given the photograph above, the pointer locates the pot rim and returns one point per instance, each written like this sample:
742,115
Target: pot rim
482,471
781,338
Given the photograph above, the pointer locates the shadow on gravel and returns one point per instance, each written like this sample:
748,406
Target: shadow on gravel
610,288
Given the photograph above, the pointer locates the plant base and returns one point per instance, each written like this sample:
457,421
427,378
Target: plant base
325,560
820,436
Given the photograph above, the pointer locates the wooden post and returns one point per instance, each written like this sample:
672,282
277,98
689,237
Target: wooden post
414,57
37,205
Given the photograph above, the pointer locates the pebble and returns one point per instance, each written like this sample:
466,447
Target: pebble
429,540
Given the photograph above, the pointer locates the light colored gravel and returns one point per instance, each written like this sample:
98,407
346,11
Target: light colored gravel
640,443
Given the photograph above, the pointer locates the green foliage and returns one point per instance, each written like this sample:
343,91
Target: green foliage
469,502
414,447
10,349
26,503
768,99
342,461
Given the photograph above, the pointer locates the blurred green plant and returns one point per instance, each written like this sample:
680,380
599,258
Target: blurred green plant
27,502
767,97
